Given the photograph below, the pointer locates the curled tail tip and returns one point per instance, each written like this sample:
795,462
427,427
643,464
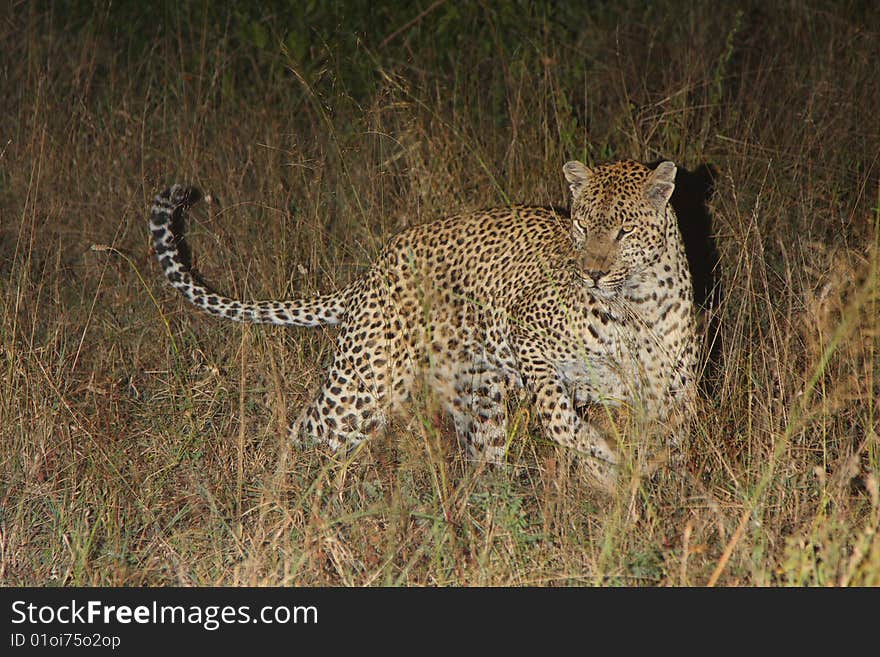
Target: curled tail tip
174,197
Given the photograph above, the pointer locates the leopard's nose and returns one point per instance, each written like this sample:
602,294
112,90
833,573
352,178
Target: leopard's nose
596,274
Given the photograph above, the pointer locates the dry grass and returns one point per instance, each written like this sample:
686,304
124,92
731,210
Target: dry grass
143,443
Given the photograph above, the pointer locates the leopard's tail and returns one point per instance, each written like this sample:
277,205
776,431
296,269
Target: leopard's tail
168,207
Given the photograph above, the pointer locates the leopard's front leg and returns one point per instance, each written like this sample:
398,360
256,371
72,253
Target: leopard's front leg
558,415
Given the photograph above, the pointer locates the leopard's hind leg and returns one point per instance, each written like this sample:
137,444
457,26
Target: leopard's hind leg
480,413
355,399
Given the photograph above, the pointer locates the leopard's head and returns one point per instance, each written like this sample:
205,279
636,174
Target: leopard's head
619,221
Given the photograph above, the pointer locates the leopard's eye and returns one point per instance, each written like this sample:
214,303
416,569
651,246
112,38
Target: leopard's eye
578,226
626,229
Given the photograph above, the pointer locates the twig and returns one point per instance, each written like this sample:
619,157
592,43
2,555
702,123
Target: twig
415,20
728,549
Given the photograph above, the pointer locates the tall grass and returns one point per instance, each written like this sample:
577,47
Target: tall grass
144,443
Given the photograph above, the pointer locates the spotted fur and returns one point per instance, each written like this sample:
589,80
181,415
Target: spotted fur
588,310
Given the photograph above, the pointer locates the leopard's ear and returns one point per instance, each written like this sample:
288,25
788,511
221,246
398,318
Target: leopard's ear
660,185
577,176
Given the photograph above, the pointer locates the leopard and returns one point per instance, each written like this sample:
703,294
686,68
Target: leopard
583,312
